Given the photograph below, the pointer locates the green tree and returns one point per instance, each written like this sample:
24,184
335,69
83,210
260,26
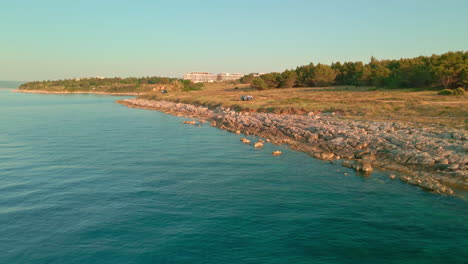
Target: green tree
259,84
287,79
339,69
271,79
378,72
247,78
323,75
450,67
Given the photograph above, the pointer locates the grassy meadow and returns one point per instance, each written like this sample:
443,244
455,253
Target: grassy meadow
424,108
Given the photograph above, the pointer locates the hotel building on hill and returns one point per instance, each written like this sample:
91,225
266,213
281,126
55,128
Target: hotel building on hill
229,76
198,77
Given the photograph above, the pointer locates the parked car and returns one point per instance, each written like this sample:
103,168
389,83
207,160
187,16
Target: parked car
246,97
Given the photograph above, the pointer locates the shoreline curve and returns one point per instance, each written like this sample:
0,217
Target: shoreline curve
434,160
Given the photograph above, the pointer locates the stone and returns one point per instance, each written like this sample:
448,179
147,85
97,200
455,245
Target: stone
324,155
442,161
369,156
361,153
406,179
453,167
362,145
348,164
364,166
312,137
258,145
276,153
245,140
337,141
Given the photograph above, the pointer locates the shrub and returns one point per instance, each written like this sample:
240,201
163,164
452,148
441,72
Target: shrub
445,92
191,86
150,96
287,79
459,91
247,78
259,83
271,79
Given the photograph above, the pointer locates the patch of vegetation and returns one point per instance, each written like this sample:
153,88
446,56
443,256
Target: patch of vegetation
445,92
191,86
448,70
114,85
259,84
247,78
150,96
459,91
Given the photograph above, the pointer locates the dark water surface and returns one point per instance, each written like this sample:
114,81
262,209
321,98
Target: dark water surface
85,180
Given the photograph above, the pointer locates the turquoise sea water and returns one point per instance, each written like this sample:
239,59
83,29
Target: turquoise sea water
85,180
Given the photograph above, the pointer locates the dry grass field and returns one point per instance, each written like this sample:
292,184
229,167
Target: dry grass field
406,105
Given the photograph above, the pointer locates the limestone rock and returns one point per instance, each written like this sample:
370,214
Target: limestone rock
364,166
245,140
348,164
258,145
324,155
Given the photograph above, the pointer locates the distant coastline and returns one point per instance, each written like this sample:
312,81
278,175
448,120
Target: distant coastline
75,92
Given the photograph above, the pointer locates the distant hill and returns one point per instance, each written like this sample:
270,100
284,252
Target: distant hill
10,84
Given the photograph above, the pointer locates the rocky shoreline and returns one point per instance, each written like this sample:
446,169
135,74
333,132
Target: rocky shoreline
433,159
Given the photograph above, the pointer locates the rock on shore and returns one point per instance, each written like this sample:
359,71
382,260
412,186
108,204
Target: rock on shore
434,159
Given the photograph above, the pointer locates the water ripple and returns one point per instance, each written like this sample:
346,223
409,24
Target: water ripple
84,180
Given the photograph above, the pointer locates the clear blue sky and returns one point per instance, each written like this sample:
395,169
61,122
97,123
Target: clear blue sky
53,39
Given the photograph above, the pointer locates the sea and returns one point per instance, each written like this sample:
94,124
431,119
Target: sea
87,180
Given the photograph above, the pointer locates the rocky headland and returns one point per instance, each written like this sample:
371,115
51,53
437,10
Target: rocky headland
75,92
434,159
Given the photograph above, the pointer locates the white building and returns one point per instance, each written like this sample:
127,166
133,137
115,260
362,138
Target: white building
89,78
222,77
258,74
197,77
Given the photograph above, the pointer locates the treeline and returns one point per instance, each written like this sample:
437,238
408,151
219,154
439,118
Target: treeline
449,70
132,84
